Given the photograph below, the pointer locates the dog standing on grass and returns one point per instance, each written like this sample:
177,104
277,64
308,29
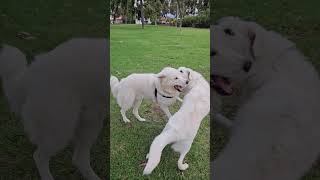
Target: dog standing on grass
163,88
60,97
184,124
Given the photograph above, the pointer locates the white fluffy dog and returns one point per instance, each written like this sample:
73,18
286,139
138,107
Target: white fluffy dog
163,88
276,130
61,97
184,124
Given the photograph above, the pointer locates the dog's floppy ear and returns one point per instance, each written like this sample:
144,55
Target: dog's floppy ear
265,43
162,74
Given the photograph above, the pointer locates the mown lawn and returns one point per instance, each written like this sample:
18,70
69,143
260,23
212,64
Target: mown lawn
297,20
136,50
50,23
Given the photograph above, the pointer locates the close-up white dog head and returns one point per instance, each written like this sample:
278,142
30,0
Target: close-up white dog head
237,47
232,56
190,75
171,80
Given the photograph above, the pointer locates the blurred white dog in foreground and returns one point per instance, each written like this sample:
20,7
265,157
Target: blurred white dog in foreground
184,124
61,97
276,134
163,88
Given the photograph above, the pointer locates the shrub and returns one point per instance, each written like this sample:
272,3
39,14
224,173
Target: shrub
200,21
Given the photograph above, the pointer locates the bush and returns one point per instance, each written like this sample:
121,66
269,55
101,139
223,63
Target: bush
201,21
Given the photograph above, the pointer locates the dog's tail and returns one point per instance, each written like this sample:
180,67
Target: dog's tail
114,81
13,64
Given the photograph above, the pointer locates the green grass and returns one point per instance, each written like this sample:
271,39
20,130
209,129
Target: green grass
51,23
134,50
295,19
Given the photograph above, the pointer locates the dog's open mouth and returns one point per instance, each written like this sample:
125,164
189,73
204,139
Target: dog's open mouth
222,85
178,88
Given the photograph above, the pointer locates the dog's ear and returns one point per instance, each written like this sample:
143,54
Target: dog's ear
265,43
161,75
190,77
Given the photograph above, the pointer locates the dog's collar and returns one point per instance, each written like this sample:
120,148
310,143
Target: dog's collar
156,92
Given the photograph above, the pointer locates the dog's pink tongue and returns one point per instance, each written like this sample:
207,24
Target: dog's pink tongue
223,85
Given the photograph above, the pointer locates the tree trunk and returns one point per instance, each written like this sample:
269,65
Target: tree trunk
181,14
114,18
142,13
127,12
177,21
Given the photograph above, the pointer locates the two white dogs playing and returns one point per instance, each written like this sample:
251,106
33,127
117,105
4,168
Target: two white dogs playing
164,88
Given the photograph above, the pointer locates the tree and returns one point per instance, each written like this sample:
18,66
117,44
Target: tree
153,9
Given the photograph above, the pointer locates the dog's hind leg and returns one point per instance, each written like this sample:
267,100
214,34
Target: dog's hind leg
91,122
49,122
156,148
124,117
183,148
136,106
125,101
42,158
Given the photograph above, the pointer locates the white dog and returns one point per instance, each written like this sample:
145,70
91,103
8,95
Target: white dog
61,97
276,130
163,88
184,124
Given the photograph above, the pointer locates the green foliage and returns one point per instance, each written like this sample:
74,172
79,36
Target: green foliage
201,21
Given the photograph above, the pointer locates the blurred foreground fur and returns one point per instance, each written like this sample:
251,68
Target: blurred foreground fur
275,135
61,98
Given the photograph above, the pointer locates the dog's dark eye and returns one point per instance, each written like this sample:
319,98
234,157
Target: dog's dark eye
176,78
181,71
213,53
247,66
229,32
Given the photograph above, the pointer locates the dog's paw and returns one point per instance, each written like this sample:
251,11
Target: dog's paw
142,119
126,120
183,167
146,172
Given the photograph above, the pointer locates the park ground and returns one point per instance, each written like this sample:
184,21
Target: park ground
295,19
136,50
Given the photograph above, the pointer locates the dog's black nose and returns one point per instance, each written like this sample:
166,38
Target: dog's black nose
247,66
187,82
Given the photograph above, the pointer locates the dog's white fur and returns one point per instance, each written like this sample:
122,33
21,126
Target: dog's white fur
215,104
276,131
184,124
130,91
61,97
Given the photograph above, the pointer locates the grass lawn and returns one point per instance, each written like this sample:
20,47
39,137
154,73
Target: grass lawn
134,50
51,23
297,20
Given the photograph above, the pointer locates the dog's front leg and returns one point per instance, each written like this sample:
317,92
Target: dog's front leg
222,120
179,99
165,109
